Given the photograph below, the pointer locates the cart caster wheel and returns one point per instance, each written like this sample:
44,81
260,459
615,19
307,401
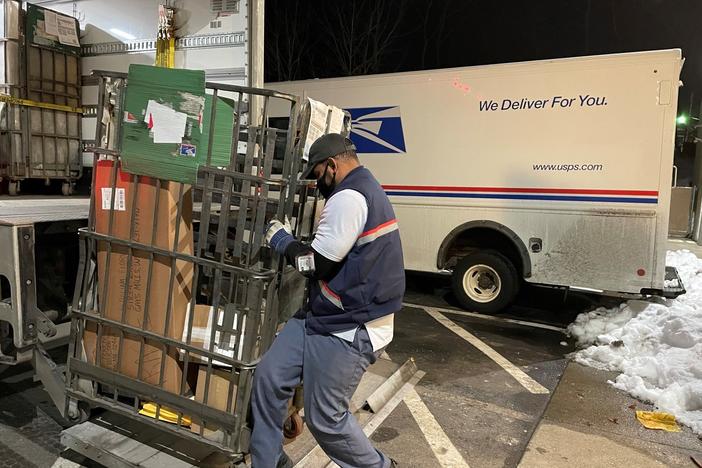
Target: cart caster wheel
13,188
67,189
293,426
82,414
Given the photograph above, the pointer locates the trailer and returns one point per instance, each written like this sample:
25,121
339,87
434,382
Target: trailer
553,172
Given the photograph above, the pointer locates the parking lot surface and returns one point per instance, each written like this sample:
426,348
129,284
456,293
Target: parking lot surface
486,400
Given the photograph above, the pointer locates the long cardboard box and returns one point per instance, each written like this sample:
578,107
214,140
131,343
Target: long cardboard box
114,278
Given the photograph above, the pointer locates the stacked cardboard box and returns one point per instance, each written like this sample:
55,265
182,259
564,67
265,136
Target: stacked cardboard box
223,377
222,389
149,224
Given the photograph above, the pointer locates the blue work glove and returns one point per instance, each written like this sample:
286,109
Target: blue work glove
279,235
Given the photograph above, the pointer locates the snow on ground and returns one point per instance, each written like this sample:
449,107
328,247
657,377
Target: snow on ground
656,347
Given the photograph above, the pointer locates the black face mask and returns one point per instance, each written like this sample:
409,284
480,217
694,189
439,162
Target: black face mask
326,189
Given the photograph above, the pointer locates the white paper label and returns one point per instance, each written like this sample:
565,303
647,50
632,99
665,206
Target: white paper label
67,33
50,23
323,119
119,204
305,263
167,125
336,122
317,125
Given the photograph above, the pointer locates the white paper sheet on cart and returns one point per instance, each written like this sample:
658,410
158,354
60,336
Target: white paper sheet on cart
67,33
317,125
323,119
168,125
336,121
50,23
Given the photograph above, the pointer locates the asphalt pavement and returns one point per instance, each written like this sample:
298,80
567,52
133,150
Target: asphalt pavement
493,394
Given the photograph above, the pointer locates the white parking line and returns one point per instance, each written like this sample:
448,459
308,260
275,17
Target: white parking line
317,458
489,317
527,382
441,445
63,463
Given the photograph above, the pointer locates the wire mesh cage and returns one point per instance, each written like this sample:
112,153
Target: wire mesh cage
40,122
177,298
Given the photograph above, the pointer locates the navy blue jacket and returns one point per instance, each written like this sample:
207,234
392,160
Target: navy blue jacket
371,281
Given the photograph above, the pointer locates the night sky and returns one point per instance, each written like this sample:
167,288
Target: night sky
449,33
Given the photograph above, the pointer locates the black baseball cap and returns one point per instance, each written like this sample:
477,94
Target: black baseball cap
325,147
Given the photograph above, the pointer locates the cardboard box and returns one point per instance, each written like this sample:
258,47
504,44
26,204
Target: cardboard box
225,337
162,125
222,137
217,396
116,275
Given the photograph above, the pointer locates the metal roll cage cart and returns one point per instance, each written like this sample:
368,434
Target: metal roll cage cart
238,279
41,128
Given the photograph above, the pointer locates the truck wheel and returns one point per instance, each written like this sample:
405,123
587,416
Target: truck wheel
485,281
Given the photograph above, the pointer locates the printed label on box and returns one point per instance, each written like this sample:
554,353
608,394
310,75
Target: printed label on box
119,204
187,150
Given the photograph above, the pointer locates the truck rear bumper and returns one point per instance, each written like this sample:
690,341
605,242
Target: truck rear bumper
673,285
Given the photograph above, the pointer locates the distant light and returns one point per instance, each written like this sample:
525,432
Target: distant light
681,120
122,34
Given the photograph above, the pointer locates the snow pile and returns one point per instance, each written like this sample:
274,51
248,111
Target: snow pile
657,347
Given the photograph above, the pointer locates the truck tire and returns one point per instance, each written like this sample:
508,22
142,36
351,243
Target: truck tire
485,281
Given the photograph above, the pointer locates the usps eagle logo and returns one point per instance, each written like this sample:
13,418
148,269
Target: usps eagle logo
377,130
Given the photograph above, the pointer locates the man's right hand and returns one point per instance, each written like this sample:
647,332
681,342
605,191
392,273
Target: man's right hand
279,235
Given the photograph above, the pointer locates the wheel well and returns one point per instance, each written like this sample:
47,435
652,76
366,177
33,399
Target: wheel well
477,235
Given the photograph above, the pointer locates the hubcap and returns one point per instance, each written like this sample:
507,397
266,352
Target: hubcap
482,283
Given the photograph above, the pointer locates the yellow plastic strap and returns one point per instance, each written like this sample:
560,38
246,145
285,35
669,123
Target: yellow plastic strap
165,414
42,105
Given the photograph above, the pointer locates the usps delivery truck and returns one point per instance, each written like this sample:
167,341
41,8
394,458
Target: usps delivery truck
554,172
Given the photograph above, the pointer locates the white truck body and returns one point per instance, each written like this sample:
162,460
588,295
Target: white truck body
569,160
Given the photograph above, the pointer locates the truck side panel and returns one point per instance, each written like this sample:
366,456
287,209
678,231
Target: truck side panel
578,245
575,152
